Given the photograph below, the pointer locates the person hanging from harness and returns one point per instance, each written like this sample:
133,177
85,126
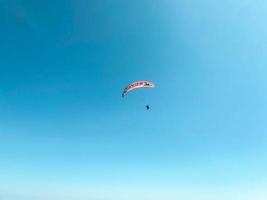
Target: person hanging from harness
138,84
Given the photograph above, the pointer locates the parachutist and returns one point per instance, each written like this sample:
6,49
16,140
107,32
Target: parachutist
138,84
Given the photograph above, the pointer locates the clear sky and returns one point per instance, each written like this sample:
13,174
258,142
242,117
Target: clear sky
66,133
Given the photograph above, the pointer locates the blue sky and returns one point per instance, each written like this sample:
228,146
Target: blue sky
66,133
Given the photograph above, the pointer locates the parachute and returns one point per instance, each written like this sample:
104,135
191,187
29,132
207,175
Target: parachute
137,84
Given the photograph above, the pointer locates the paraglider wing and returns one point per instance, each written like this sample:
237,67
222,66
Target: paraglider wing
137,84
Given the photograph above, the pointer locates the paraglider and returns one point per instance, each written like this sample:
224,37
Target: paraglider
138,84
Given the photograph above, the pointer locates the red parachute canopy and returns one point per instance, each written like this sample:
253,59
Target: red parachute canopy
137,84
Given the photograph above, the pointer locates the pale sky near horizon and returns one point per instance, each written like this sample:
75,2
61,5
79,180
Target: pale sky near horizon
66,133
